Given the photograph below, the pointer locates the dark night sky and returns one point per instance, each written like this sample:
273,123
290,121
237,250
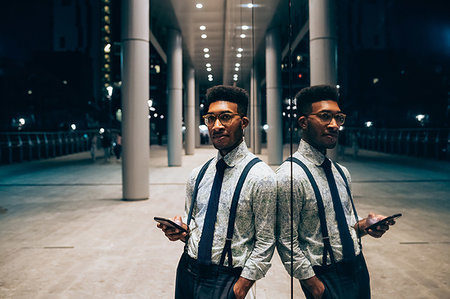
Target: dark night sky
25,26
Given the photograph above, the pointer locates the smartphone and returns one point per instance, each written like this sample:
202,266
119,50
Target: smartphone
384,221
170,223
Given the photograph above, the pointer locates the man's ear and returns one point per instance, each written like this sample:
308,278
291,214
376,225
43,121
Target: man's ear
244,122
302,122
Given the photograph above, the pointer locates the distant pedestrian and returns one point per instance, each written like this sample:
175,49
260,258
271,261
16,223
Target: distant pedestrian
118,146
93,146
106,144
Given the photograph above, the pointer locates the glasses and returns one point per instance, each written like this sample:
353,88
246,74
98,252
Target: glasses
326,117
225,118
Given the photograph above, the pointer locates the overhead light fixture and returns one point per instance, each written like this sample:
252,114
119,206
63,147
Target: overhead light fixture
206,50
203,27
240,49
199,5
250,5
209,69
235,78
242,35
210,79
208,64
238,55
204,36
206,55
244,27
236,69
237,64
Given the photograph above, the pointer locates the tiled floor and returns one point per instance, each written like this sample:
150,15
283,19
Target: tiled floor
65,233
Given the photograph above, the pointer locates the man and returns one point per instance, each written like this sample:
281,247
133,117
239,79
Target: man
327,257
217,262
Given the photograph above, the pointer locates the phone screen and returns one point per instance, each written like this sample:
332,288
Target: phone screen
169,223
383,221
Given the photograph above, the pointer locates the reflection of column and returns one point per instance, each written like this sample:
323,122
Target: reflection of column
175,97
190,112
274,92
255,108
197,114
323,46
135,93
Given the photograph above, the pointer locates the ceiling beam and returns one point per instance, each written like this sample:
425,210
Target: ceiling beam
158,47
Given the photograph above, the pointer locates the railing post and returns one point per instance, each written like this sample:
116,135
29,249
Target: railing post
10,151
46,146
38,146
30,148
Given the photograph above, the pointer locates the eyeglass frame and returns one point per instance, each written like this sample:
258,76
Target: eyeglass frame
333,117
217,117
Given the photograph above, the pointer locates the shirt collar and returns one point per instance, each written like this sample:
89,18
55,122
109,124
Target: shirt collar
235,156
311,153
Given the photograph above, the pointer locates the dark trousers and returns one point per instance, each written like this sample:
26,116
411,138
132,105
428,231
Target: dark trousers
344,280
204,282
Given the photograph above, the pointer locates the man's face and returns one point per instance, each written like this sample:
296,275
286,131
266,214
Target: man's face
316,132
226,137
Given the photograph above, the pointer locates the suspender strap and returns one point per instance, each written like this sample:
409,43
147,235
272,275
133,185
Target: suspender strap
194,194
321,211
200,176
233,209
341,172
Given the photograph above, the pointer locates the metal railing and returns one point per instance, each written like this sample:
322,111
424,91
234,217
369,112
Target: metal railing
426,143
28,146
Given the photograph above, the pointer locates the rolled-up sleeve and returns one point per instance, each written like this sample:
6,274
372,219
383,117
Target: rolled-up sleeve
302,268
264,213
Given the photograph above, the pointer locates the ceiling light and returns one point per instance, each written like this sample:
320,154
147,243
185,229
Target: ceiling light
206,50
236,69
235,78
238,64
238,55
204,36
199,5
208,64
209,69
206,55
240,49
245,27
210,79
242,35
203,27
250,5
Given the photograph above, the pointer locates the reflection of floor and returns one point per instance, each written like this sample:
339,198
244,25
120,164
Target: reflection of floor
65,233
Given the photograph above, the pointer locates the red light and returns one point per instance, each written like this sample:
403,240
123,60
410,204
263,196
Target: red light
299,75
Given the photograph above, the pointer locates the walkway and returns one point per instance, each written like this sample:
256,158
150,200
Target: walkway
65,233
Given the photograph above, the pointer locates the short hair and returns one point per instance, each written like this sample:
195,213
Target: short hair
230,94
307,96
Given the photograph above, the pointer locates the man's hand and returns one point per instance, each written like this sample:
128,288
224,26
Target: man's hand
241,287
174,234
371,219
314,286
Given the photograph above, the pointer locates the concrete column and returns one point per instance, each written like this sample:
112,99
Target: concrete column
175,97
323,46
135,94
190,113
274,93
255,108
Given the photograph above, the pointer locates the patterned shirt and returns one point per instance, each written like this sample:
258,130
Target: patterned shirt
307,236
254,234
